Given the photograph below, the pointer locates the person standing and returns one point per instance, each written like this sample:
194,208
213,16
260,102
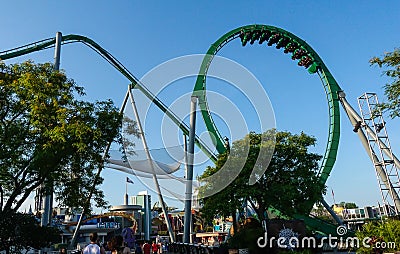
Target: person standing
146,248
138,249
154,248
129,237
93,247
117,246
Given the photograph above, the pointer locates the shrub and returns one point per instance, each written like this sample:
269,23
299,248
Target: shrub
380,234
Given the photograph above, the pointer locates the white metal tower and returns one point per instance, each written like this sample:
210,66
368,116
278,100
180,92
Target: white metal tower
387,172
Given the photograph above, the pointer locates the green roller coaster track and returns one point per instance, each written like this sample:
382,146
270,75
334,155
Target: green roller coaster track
299,49
49,43
306,57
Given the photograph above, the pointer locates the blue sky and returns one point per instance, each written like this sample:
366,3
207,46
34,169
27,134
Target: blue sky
142,35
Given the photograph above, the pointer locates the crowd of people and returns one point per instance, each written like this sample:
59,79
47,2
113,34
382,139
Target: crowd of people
117,246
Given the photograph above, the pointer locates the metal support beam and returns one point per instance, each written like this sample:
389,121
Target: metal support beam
158,190
331,212
350,111
189,173
78,226
57,51
354,118
48,202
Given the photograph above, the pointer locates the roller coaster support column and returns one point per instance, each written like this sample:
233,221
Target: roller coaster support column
93,187
185,145
189,172
354,118
57,51
331,212
48,201
158,190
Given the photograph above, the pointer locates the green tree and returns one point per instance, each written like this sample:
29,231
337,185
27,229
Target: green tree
381,236
289,183
349,205
48,137
223,203
22,232
391,63
320,212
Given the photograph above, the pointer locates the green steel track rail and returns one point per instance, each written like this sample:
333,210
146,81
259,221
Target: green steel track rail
49,43
300,51
305,56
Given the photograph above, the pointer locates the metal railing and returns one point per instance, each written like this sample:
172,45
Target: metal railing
191,248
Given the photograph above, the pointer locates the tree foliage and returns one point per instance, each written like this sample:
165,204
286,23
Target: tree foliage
348,205
320,212
223,203
382,236
22,232
289,183
391,64
47,135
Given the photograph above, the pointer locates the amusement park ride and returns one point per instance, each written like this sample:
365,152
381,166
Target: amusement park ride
369,125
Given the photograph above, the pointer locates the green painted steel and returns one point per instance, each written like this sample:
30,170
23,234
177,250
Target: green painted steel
264,33
308,58
49,43
322,226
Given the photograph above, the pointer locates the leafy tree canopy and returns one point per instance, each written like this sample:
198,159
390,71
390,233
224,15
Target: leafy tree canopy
22,232
347,205
289,183
47,135
391,64
381,236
